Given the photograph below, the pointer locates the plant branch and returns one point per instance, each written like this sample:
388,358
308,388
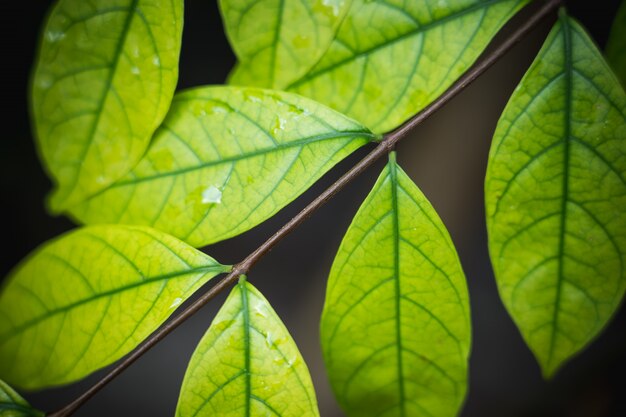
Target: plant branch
383,148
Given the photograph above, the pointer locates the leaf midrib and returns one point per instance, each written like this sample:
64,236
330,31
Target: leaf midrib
246,343
415,32
117,53
396,264
51,313
568,73
260,152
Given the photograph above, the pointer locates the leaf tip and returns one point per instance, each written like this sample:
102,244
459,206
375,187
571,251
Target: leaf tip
548,369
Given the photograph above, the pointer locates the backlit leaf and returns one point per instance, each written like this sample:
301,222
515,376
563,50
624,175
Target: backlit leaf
104,79
616,47
278,41
12,405
247,364
225,160
390,59
396,327
82,301
555,197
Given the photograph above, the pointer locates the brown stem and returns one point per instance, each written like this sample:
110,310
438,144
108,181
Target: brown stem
384,147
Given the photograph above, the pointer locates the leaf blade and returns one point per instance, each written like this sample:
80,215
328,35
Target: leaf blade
384,64
616,45
261,371
278,41
13,405
94,310
93,112
229,158
395,326
553,190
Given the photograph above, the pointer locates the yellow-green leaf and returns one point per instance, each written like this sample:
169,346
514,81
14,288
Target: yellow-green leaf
84,300
278,41
395,328
389,60
225,160
104,79
555,197
616,46
12,405
247,364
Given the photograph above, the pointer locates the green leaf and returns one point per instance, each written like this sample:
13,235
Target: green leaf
84,300
395,328
278,41
555,197
247,364
104,79
389,60
12,405
225,160
616,46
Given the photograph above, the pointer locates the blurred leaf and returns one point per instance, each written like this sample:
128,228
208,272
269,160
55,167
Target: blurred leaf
247,364
555,196
12,405
616,46
278,41
225,160
388,60
395,329
84,300
104,79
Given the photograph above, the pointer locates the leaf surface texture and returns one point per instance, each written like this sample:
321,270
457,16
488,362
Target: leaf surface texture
13,405
395,328
84,300
390,59
555,197
226,159
104,78
278,41
247,364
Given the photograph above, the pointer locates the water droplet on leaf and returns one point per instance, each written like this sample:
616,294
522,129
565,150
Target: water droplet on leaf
55,35
177,301
212,195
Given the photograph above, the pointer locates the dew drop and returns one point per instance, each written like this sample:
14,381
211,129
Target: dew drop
45,82
328,7
212,195
217,109
252,97
135,70
259,311
177,301
279,126
55,35
198,110
156,61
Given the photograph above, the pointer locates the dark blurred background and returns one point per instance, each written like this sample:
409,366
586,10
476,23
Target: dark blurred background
446,156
